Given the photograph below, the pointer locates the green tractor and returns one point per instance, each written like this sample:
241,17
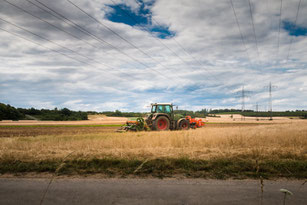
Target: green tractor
162,118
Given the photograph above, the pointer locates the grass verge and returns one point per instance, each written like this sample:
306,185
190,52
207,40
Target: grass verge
220,168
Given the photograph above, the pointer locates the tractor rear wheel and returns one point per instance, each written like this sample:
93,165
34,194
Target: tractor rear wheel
161,123
184,125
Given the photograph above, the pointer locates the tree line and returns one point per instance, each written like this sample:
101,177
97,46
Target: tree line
8,112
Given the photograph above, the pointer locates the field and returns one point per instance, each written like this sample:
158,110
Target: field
220,149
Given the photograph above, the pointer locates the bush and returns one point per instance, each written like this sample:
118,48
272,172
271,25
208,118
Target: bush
8,112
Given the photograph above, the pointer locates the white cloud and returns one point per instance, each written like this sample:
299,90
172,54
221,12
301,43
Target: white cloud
35,76
41,104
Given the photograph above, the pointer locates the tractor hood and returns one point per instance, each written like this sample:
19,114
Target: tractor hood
153,116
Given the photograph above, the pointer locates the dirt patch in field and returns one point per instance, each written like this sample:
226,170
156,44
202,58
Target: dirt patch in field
39,131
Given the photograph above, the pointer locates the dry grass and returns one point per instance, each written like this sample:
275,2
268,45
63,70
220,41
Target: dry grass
274,141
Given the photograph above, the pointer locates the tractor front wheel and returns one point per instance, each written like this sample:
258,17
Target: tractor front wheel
161,123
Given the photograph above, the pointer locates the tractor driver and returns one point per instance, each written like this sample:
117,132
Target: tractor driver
160,108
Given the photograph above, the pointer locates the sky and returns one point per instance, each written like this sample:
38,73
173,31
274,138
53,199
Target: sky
105,55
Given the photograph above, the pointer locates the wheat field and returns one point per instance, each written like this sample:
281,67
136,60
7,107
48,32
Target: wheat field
274,141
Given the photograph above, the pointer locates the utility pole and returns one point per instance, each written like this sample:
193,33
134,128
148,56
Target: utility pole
270,108
257,111
270,101
243,99
242,95
243,103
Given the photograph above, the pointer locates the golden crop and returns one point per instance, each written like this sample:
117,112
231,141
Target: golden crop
269,141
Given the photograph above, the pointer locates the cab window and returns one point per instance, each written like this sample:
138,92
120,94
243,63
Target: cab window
161,109
168,109
153,109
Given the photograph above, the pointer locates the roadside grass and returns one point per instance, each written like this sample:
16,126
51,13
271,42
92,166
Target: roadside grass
270,151
220,168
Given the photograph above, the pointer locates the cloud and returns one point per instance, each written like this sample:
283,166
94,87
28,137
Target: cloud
202,66
42,104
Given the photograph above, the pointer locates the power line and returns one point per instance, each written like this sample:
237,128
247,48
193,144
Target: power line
67,21
48,40
26,39
297,13
99,22
58,45
251,13
172,38
145,28
280,13
179,45
238,25
58,28
37,17
40,19
39,36
268,12
115,33
55,51
63,47
189,54
82,39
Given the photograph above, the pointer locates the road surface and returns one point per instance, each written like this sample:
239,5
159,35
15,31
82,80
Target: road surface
148,191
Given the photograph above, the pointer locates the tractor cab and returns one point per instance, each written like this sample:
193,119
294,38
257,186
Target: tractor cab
162,108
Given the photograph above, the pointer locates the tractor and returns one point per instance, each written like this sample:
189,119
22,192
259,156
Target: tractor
162,118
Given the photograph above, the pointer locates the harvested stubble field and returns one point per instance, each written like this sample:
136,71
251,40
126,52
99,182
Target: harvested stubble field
218,151
53,130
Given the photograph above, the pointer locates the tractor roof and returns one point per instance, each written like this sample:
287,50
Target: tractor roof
162,104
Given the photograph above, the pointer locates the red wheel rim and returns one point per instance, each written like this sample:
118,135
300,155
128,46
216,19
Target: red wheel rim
184,126
162,124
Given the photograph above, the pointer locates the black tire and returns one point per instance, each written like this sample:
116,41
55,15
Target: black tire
184,125
161,123
193,125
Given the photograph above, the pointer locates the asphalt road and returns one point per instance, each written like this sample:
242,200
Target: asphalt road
148,191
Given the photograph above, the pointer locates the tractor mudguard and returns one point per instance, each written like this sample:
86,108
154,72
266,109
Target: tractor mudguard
178,123
154,116
159,114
